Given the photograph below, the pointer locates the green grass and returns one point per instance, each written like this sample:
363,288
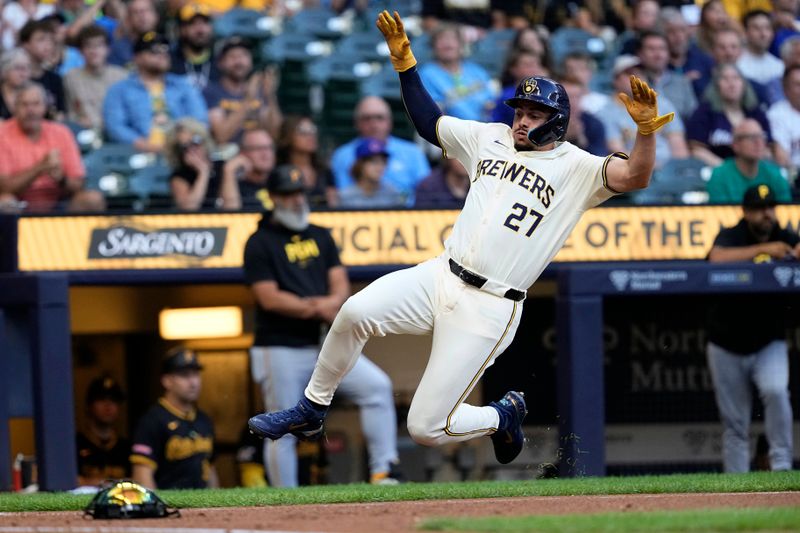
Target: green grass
237,497
752,519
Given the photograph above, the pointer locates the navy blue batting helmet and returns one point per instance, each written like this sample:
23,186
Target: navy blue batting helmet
547,93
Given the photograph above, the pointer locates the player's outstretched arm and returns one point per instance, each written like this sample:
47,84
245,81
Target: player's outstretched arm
642,106
421,109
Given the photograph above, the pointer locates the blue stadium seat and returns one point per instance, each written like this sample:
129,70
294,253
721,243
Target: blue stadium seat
385,84
321,22
366,45
679,181
244,23
292,45
152,184
569,40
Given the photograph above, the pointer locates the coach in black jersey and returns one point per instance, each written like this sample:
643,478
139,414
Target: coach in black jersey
174,442
299,283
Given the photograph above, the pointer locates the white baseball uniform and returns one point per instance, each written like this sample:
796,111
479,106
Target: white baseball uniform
520,209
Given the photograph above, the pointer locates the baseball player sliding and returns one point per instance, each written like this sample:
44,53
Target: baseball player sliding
528,191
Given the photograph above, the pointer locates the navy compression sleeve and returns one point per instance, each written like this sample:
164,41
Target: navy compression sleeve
421,109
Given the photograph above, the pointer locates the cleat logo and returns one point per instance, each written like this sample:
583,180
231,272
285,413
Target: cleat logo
297,426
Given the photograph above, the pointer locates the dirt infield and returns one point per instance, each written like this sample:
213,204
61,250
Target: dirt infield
395,517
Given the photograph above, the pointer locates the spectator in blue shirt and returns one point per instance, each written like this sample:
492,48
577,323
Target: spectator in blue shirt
140,109
407,165
462,89
369,190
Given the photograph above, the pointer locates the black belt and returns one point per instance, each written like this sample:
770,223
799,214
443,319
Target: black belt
471,278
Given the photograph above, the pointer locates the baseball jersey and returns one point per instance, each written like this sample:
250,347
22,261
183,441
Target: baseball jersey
103,460
299,263
177,445
521,205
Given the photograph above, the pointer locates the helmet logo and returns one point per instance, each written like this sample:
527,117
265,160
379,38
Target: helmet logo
763,191
529,86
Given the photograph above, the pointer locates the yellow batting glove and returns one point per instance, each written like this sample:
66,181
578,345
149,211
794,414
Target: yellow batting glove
395,35
643,107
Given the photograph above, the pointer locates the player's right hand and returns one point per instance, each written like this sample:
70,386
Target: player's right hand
399,46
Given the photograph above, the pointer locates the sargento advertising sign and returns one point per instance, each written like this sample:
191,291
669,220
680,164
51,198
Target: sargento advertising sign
217,240
129,242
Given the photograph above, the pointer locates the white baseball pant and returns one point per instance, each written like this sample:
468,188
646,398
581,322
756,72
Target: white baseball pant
470,328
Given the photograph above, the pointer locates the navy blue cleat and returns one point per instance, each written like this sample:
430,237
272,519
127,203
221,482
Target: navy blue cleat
304,421
508,439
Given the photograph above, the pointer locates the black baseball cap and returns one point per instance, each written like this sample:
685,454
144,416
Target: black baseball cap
234,42
285,179
759,196
150,41
180,359
104,388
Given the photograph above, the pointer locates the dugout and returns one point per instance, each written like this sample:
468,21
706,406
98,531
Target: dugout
120,272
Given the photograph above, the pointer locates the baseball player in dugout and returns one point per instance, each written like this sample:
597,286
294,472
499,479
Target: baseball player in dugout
528,190
299,285
747,337
174,442
102,453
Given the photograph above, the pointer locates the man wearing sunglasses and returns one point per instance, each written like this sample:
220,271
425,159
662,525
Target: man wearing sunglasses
140,109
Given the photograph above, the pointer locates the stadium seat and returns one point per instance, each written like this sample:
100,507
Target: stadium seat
568,40
295,46
366,46
151,183
679,181
244,23
491,51
321,22
385,83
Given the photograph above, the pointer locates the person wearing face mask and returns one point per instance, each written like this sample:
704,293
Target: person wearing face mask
299,284
747,337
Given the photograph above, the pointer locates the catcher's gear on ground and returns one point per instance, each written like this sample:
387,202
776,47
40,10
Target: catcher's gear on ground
126,499
304,421
547,93
508,439
643,107
399,47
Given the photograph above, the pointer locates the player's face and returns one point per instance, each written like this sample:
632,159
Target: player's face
527,117
761,220
104,411
184,386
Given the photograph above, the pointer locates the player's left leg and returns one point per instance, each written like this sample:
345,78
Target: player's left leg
282,373
468,336
371,389
771,376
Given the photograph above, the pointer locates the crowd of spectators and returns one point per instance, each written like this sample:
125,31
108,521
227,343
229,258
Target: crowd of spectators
150,74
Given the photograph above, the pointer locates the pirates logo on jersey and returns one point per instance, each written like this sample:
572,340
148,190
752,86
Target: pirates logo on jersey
529,87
